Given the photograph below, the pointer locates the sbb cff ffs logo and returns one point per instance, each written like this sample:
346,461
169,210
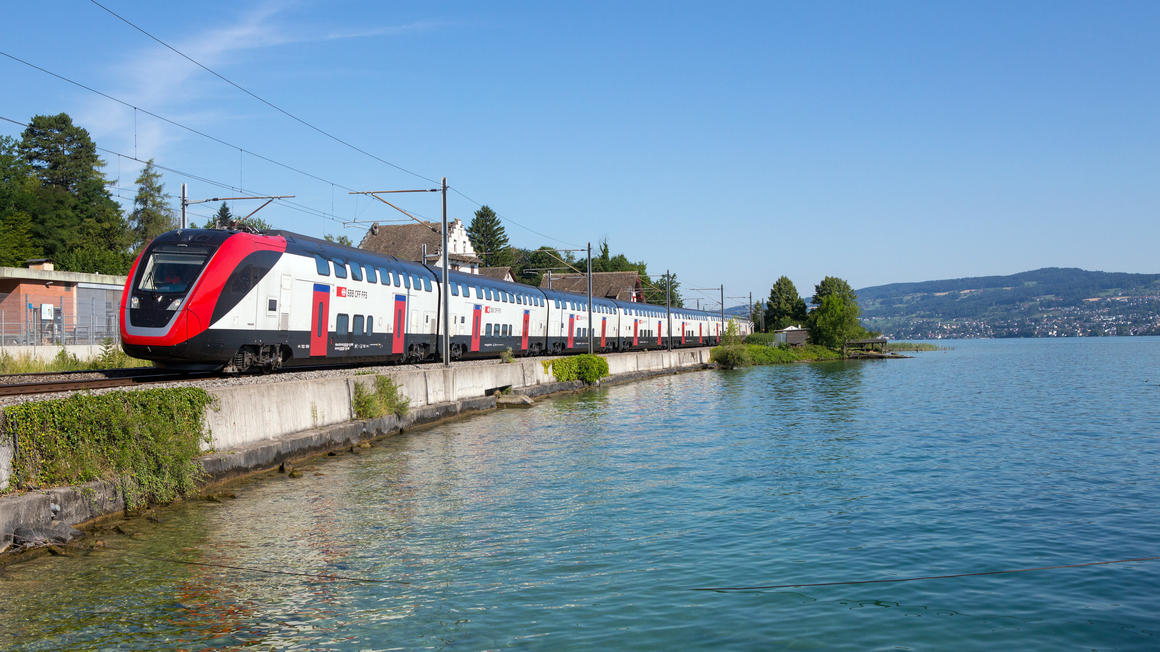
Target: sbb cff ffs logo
350,293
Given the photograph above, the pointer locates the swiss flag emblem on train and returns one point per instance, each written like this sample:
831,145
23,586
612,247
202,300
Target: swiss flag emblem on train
341,291
487,308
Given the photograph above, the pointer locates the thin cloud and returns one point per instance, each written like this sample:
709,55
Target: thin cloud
155,78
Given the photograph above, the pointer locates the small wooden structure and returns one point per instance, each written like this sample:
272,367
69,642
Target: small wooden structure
793,336
871,344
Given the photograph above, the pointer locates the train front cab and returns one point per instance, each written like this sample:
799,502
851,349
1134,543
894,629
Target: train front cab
179,286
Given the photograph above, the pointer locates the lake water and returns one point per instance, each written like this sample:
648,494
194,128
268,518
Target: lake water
586,521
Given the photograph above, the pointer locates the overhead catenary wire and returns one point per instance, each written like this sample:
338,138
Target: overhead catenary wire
307,124
168,121
258,97
301,208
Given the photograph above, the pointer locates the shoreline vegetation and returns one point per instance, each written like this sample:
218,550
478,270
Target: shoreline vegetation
757,350
733,356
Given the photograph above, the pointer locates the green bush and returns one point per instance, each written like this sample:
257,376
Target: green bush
586,367
148,440
731,356
384,399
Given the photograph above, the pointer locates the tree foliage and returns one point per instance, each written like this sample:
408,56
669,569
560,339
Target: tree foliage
785,306
54,201
489,239
339,239
832,285
835,321
151,214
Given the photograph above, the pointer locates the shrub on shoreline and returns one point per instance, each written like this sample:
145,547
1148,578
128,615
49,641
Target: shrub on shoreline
586,367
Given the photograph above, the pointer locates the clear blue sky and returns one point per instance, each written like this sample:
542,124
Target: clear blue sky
732,142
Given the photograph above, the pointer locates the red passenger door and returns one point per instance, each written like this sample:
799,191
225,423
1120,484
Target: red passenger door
682,332
603,328
398,336
318,319
635,332
476,318
658,333
524,339
700,333
571,330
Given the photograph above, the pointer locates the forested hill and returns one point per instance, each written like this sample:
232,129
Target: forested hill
1045,302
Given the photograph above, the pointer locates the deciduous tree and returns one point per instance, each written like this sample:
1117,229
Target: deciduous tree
785,305
832,285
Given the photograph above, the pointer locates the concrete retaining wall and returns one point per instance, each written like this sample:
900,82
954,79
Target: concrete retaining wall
259,426
46,352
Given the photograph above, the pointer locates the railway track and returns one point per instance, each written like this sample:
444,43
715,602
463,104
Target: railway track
74,385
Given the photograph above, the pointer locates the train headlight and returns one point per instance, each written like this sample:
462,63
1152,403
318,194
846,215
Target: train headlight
134,302
174,305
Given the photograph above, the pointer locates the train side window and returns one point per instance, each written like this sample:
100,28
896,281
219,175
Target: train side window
322,264
356,272
426,284
454,289
370,325
487,329
340,323
406,280
384,276
359,321
369,273
339,268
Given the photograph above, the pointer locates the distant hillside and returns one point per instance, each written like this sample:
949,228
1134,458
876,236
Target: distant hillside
1043,303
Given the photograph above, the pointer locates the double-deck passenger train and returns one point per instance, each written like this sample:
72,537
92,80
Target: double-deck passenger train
239,301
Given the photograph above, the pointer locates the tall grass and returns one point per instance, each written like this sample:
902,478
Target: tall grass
110,357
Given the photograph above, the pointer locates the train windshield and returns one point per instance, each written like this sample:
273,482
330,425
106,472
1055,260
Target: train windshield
172,271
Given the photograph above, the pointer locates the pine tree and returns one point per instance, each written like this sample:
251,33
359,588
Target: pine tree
489,239
151,214
16,243
72,206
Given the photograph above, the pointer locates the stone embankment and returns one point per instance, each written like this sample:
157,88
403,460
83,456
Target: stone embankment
260,426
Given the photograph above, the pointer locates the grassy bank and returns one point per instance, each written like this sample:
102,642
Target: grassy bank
743,355
111,357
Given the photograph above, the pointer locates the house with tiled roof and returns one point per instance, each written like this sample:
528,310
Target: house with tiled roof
625,286
410,241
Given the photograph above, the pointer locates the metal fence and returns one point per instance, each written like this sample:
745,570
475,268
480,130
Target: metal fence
92,319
